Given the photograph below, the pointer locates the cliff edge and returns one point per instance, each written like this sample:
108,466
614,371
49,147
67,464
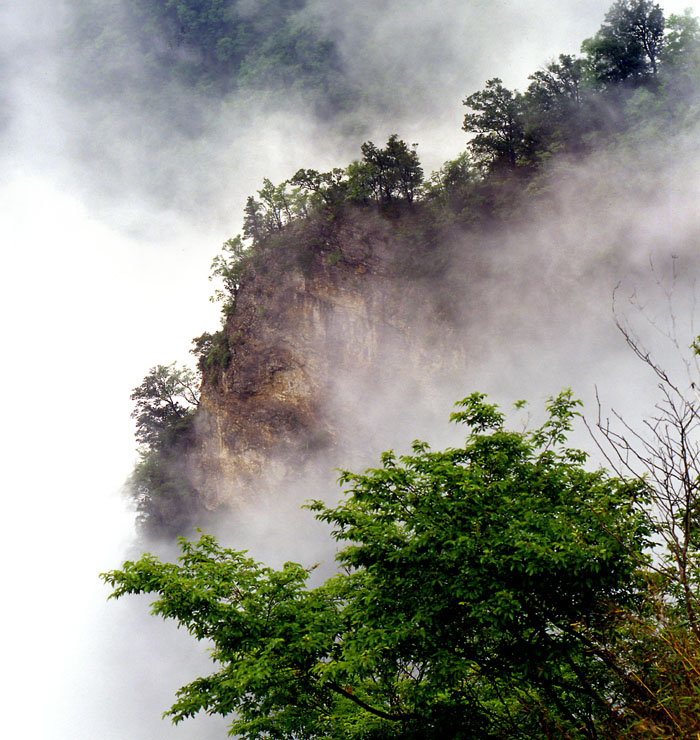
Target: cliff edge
326,319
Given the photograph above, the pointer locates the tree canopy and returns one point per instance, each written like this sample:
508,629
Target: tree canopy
498,123
629,43
389,173
480,589
217,47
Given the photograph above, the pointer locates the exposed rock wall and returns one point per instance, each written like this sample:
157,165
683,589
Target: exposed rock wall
340,312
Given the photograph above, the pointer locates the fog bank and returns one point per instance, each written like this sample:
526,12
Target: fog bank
110,215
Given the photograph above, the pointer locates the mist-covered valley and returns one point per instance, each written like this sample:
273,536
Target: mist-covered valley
123,173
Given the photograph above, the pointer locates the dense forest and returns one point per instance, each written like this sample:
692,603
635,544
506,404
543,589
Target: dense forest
213,47
546,600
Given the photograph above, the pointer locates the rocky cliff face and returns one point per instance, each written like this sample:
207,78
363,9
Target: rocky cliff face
324,324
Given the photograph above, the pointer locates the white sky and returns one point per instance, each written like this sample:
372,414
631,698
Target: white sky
87,307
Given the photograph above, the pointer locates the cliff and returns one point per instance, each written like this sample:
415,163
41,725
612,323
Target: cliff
328,319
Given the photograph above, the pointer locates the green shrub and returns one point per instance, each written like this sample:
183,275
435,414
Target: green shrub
334,257
212,350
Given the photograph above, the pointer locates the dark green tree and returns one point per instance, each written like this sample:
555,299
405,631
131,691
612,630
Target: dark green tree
277,208
253,221
403,167
386,175
559,86
473,584
629,43
557,105
328,189
219,46
498,124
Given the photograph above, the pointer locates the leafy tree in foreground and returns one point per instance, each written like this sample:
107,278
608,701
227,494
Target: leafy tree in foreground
473,585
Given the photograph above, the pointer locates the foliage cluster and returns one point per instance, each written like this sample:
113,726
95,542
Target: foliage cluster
382,177
211,350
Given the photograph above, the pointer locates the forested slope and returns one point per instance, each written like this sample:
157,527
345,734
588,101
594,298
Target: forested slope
354,268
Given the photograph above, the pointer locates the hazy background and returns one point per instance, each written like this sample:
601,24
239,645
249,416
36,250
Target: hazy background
110,215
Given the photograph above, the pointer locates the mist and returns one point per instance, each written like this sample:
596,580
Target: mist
111,212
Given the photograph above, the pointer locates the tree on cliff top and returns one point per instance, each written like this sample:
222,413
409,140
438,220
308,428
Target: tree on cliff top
629,43
385,175
474,583
497,120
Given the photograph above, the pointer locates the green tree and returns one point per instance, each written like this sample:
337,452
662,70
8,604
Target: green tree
167,504
452,193
165,397
497,122
403,167
471,581
682,43
275,205
558,84
229,266
253,220
628,44
452,185
386,174
680,63
212,350
328,189
277,208
556,105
